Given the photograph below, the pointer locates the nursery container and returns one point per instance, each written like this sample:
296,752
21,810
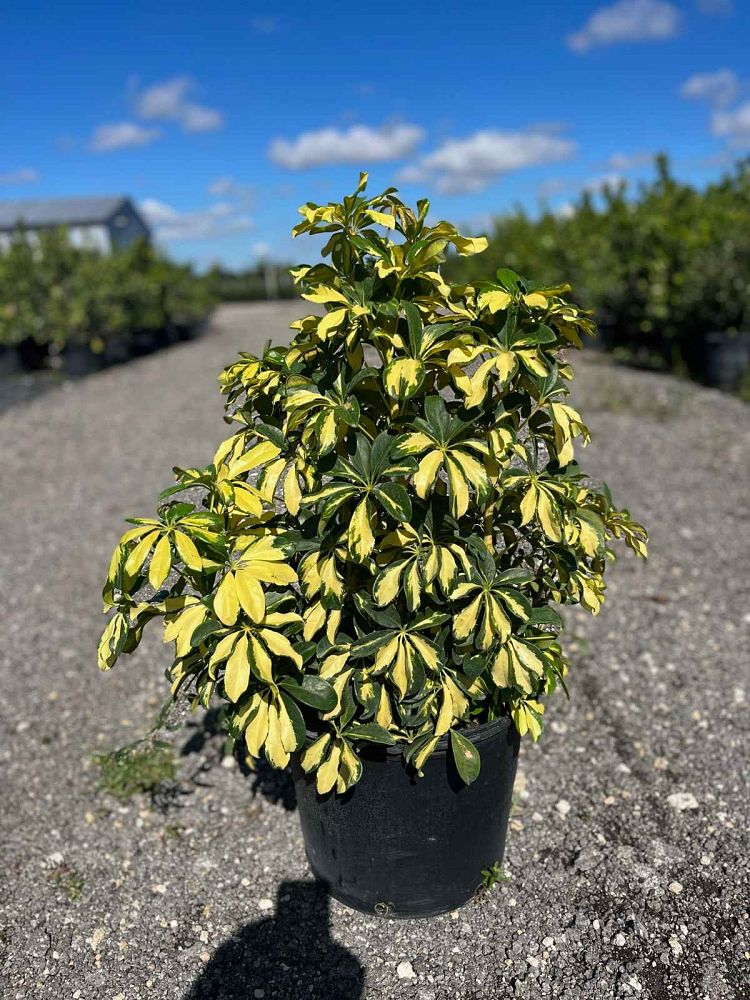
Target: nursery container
404,846
725,358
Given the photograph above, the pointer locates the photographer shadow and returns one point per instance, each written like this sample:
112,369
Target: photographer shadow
207,738
290,956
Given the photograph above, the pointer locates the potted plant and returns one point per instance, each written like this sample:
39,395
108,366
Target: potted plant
368,571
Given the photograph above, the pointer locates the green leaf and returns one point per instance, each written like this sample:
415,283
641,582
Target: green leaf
204,630
403,377
544,616
368,645
370,731
508,279
313,691
297,720
378,455
473,666
394,500
517,576
466,757
414,321
273,434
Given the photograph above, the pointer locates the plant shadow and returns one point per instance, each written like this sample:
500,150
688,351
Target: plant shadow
290,956
207,738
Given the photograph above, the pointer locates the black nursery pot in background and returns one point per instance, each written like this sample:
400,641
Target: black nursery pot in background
725,358
403,846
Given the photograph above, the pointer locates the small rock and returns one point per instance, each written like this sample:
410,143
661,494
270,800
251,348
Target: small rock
228,762
681,801
159,889
405,971
620,940
586,860
259,994
265,903
548,942
97,937
563,807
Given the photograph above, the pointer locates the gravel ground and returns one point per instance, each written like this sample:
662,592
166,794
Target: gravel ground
627,855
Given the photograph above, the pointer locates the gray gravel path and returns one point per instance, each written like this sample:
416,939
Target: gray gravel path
627,856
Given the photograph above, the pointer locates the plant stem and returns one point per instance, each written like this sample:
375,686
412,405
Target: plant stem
488,526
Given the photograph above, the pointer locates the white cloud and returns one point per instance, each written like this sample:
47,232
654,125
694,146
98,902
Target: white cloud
222,187
733,125
459,166
596,185
169,101
265,25
121,135
172,226
627,21
565,211
551,187
719,88
24,175
360,144
228,187
622,162
198,118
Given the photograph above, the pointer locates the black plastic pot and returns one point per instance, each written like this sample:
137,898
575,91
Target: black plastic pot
9,361
725,358
403,846
79,360
142,342
32,355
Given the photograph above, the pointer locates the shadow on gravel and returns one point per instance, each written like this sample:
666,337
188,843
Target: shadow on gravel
287,957
207,738
275,786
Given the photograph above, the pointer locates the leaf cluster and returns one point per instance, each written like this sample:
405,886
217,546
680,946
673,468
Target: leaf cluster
376,553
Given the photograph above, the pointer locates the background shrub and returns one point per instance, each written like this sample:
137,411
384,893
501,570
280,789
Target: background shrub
659,270
53,293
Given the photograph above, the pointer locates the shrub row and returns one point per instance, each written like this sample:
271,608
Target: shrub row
664,271
264,281
55,296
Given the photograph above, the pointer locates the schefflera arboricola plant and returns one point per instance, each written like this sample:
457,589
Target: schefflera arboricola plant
374,555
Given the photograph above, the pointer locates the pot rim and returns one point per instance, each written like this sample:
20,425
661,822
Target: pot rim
483,732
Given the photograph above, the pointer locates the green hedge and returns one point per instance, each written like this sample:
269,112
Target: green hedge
261,282
53,293
660,270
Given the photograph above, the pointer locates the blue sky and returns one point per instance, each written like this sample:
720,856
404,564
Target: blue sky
219,120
